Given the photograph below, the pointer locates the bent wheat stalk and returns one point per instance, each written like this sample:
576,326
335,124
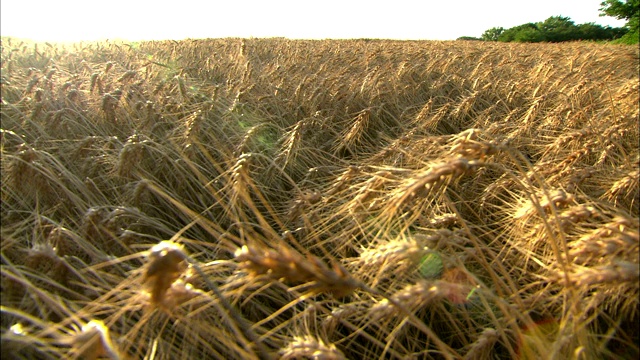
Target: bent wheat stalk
295,269
168,258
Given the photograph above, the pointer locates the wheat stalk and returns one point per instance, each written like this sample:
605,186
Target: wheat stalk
287,265
311,348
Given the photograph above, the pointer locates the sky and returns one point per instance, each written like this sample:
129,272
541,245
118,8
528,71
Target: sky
134,20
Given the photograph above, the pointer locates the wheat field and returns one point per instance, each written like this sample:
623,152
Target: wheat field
334,199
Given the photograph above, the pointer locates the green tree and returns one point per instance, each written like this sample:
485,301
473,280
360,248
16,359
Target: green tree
492,34
558,28
628,10
529,35
591,31
522,33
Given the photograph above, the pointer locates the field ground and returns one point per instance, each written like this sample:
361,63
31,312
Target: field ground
355,199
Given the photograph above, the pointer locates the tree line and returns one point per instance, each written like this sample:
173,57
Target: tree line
560,28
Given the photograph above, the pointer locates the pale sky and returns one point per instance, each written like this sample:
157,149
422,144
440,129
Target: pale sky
74,20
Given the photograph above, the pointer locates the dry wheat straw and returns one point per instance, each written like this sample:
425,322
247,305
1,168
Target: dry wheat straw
416,296
431,180
391,129
286,264
308,347
483,346
618,272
